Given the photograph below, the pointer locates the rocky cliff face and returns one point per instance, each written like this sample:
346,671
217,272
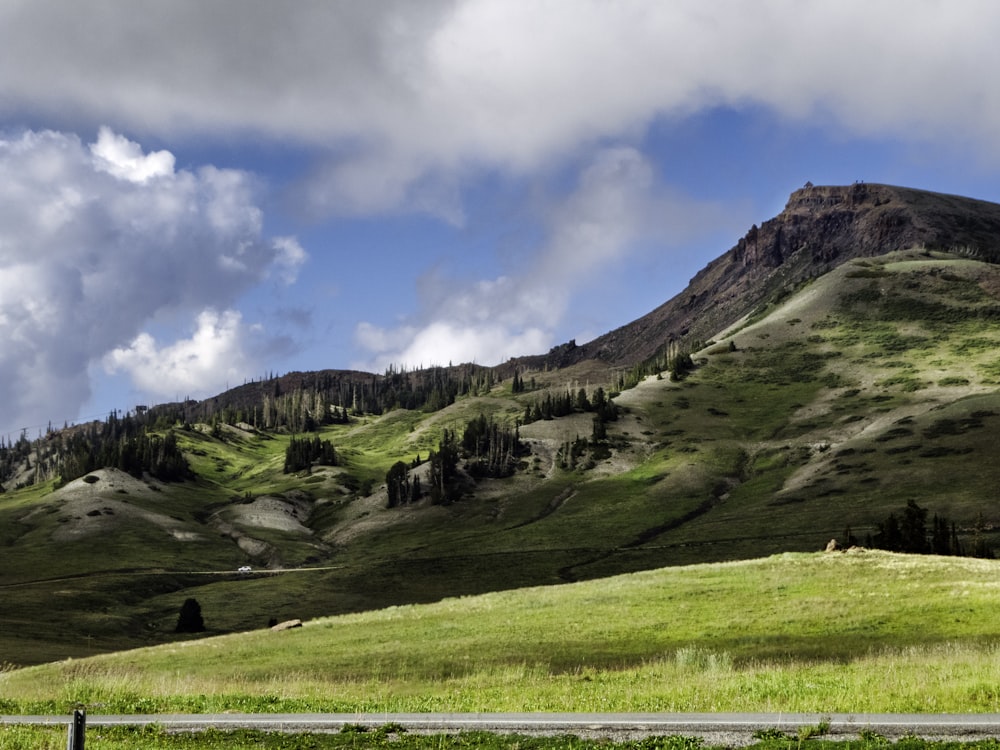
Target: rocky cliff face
819,229
833,224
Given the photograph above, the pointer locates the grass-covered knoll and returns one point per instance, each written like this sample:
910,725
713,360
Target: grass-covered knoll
837,632
851,395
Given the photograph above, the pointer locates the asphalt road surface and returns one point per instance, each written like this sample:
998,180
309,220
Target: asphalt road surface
731,729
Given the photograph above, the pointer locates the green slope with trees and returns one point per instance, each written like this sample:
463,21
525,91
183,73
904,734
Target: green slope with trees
837,406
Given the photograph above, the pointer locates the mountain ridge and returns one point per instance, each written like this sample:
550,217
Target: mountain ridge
819,228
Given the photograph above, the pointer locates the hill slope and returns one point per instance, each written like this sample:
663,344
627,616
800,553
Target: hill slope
828,408
859,632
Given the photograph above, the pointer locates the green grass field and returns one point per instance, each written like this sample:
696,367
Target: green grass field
859,631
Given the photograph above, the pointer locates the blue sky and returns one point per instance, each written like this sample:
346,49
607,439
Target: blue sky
196,194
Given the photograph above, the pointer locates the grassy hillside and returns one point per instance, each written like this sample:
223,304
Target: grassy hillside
860,631
830,407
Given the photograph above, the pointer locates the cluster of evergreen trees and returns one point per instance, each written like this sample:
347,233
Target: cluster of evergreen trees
428,389
402,488
671,358
127,443
490,449
909,532
139,444
552,406
571,453
145,453
555,405
443,470
13,455
302,454
518,385
304,402
299,411
297,403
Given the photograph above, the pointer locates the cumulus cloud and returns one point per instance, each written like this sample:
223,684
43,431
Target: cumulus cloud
615,206
213,355
408,96
289,256
96,242
118,156
484,322
401,105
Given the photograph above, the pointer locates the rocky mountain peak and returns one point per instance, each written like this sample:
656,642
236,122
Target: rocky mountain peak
820,228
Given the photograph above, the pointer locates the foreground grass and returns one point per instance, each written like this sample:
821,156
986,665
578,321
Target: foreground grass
858,632
945,679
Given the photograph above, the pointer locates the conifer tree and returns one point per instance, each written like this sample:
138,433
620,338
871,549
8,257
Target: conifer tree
397,484
189,620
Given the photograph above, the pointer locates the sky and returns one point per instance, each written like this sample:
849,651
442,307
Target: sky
196,194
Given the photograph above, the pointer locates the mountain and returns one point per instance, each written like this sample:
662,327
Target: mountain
819,229
847,386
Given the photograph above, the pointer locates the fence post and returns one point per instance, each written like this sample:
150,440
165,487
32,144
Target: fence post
77,730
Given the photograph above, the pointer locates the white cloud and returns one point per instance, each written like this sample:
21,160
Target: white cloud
409,96
612,203
484,322
204,363
401,104
289,256
97,242
615,206
372,338
118,156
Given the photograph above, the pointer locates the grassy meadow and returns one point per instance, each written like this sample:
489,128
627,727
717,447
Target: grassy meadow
859,631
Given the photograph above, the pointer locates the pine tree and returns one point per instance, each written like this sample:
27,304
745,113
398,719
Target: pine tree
189,620
913,528
397,484
940,536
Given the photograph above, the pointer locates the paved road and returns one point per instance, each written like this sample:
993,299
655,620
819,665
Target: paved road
725,728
